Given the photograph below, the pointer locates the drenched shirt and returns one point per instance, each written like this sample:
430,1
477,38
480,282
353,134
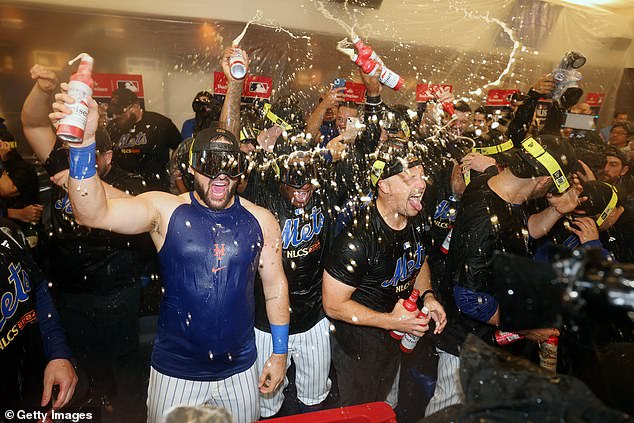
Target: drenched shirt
208,262
100,262
306,238
379,262
485,224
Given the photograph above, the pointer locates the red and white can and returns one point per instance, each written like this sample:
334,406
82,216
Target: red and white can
71,128
237,65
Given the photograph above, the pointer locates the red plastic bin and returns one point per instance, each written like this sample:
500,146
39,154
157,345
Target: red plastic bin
373,412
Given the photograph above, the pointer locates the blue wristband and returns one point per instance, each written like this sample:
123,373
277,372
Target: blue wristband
83,162
279,334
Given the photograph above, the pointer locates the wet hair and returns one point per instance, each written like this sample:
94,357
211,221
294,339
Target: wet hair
462,106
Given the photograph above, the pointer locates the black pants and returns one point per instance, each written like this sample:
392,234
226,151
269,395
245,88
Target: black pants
366,363
103,333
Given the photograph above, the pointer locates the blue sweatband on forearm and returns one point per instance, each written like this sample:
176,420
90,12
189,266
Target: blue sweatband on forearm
53,339
83,162
279,333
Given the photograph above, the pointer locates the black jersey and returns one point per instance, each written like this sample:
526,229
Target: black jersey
144,148
618,239
22,354
485,224
380,262
92,260
307,234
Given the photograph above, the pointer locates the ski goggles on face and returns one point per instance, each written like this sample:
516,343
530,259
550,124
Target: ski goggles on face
296,174
214,162
548,161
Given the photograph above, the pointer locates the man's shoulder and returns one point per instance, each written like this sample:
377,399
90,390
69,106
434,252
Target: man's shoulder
156,117
264,217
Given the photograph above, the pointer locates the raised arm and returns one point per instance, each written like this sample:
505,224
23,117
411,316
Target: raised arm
37,128
131,215
230,113
329,100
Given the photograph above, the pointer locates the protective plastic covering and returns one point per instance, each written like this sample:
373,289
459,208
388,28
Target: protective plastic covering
500,387
469,44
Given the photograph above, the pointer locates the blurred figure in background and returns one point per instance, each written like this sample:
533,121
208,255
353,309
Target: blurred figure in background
142,139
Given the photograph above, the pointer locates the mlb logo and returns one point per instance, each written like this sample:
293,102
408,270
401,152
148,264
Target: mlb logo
130,85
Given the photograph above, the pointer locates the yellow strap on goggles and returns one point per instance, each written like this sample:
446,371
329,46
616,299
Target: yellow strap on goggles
548,161
494,149
609,208
275,118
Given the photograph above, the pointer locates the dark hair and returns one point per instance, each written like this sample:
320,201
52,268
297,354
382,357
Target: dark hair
613,151
462,106
620,112
626,124
481,110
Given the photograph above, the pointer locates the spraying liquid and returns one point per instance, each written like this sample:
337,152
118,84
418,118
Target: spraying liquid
71,128
508,31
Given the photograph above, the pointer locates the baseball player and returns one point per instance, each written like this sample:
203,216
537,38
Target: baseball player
211,243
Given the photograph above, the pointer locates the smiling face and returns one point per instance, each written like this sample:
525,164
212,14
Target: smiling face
405,191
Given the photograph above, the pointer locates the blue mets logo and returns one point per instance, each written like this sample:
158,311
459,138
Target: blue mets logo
445,210
64,205
405,268
293,235
11,300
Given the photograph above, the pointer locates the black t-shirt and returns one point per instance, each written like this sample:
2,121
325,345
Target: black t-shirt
441,208
380,262
306,238
307,234
92,260
144,148
22,357
485,224
620,237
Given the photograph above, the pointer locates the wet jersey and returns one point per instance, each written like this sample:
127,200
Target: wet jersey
379,262
485,224
27,318
306,235
618,239
91,260
208,261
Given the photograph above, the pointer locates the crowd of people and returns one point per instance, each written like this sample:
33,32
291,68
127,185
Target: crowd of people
283,241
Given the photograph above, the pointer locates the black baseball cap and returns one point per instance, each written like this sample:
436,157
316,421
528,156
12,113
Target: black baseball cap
393,157
121,98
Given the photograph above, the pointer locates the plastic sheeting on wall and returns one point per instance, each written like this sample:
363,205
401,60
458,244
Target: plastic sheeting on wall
455,42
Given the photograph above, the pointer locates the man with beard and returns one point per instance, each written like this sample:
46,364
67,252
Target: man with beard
142,139
211,243
491,217
304,210
373,266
